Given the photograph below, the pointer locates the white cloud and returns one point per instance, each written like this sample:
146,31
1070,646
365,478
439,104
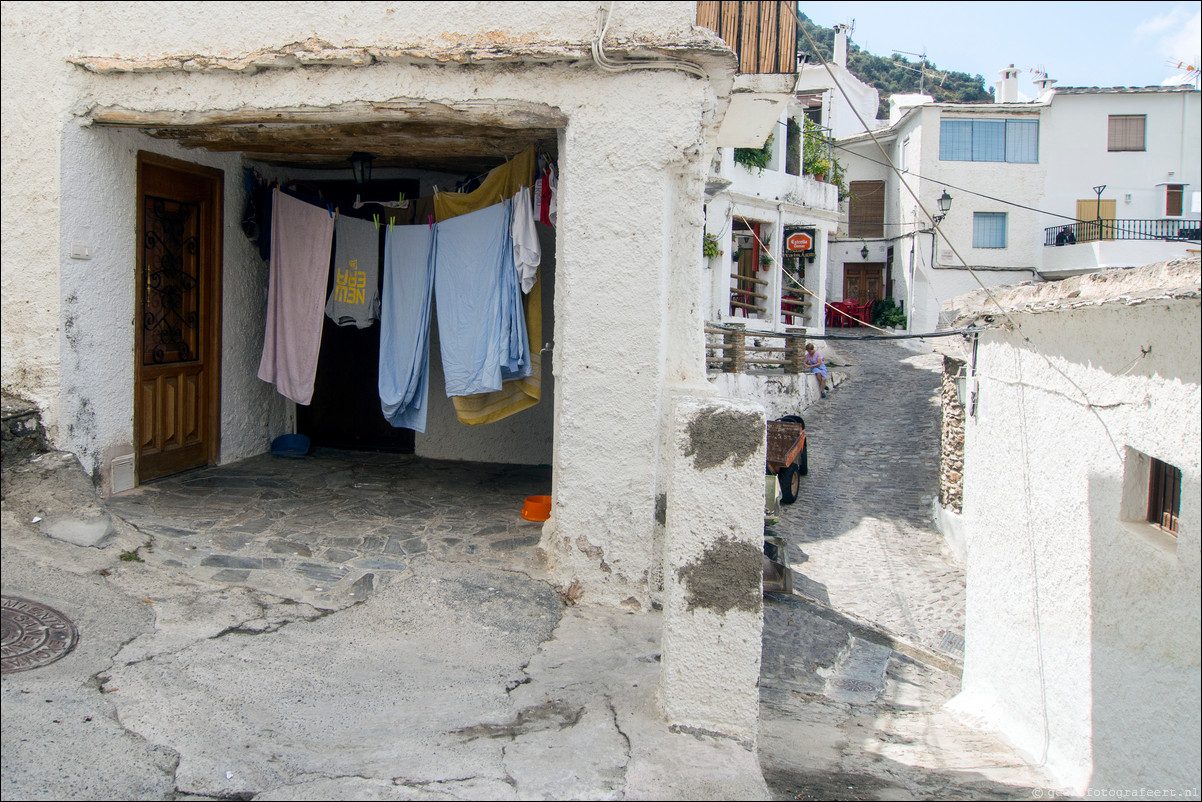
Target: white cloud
1173,37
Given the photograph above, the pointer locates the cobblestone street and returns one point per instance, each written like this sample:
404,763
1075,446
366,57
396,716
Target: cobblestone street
858,665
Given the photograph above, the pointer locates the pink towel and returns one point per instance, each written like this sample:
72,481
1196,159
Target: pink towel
301,236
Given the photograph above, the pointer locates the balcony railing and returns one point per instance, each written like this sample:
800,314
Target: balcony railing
763,34
1103,230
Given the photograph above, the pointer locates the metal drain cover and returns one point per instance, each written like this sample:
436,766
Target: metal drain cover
34,635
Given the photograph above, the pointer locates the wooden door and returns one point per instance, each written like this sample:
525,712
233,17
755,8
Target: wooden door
864,282
1088,211
177,371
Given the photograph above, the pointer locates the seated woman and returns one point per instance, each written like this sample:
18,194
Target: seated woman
816,365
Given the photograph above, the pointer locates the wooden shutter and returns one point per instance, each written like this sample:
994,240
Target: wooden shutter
1125,132
1174,200
866,215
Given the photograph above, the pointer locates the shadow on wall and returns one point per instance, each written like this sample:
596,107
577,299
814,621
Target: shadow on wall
1145,647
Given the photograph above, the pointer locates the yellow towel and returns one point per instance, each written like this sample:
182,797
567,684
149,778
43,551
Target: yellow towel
518,394
501,184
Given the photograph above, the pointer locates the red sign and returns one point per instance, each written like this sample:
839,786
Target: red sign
800,241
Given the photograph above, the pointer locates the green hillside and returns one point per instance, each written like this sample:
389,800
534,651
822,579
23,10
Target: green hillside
896,73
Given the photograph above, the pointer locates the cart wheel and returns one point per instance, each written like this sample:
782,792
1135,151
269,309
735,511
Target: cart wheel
790,484
803,460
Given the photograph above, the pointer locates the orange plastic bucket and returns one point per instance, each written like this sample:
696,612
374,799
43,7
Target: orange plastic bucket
537,508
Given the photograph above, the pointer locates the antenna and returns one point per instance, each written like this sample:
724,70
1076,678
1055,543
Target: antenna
922,72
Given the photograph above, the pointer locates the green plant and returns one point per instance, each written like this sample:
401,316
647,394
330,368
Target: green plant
818,160
131,557
709,246
755,158
885,313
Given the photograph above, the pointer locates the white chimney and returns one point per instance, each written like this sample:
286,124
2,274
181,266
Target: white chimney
1045,84
1007,88
840,56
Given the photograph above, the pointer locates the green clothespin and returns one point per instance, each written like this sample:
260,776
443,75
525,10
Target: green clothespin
376,219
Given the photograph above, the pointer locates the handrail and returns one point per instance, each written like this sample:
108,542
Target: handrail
734,354
1123,229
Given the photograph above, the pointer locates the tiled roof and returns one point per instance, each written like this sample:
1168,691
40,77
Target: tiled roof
1119,90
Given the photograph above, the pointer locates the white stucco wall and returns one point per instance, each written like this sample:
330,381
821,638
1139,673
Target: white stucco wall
1082,626
630,215
1075,138
97,346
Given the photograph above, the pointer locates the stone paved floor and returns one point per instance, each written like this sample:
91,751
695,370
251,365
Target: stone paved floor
857,667
331,527
862,535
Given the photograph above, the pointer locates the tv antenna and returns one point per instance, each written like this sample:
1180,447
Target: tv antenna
922,72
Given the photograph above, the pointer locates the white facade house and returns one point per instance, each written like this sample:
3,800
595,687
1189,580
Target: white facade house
1081,525
106,105
1022,175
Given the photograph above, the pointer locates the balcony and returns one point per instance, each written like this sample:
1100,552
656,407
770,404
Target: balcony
1095,230
1091,245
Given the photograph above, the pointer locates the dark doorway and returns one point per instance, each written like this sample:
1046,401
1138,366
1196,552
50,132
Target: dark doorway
345,411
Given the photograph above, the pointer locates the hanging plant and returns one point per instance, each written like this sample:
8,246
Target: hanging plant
755,158
709,246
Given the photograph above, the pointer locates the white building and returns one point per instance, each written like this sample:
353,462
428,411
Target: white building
1081,525
1017,172
110,107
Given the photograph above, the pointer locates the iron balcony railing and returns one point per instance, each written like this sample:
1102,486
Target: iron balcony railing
1103,230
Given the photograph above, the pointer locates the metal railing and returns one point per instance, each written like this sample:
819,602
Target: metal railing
1103,230
731,348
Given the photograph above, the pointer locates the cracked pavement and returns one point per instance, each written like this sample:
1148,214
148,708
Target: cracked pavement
450,671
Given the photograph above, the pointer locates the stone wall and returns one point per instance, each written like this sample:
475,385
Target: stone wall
951,454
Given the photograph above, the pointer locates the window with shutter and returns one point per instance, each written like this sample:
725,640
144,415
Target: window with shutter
866,213
1126,132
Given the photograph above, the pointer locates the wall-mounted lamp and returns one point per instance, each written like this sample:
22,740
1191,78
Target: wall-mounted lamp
864,252
361,168
945,206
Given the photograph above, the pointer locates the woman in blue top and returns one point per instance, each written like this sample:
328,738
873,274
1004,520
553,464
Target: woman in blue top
816,365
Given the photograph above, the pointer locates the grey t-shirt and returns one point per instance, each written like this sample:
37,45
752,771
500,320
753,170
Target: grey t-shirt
355,299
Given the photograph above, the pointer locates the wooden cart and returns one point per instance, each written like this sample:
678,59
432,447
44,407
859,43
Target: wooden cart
787,456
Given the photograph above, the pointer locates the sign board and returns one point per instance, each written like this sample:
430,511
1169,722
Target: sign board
800,241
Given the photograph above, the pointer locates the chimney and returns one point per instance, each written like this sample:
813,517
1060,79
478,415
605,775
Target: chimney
1007,88
840,56
1044,83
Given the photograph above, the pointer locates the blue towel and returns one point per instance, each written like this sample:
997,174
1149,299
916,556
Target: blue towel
481,328
405,325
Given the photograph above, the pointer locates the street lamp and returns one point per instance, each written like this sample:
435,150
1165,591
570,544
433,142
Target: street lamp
945,206
1100,190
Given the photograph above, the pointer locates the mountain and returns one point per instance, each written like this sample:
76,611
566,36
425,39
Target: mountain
896,73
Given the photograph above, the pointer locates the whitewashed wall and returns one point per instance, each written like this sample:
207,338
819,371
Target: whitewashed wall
1082,628
630,216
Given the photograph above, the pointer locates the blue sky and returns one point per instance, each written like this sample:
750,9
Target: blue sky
1077,43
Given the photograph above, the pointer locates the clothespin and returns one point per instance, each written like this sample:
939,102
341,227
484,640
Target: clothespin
375,218
330,209
391,220
400,198
430,220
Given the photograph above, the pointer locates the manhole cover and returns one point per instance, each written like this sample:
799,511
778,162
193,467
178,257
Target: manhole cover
34,635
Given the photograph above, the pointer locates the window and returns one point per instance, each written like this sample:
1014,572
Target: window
989,230
905,155
1174,200
866,213
1014,141
1164,496
1126,132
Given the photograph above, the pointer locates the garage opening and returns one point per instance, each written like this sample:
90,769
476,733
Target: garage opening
415,153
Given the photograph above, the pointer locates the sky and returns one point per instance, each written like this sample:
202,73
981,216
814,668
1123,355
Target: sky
1078,43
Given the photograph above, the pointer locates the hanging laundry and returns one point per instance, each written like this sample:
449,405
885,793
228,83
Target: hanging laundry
516,394
301,236
355,300
482,332
501,184
527,252
405,325
546,184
